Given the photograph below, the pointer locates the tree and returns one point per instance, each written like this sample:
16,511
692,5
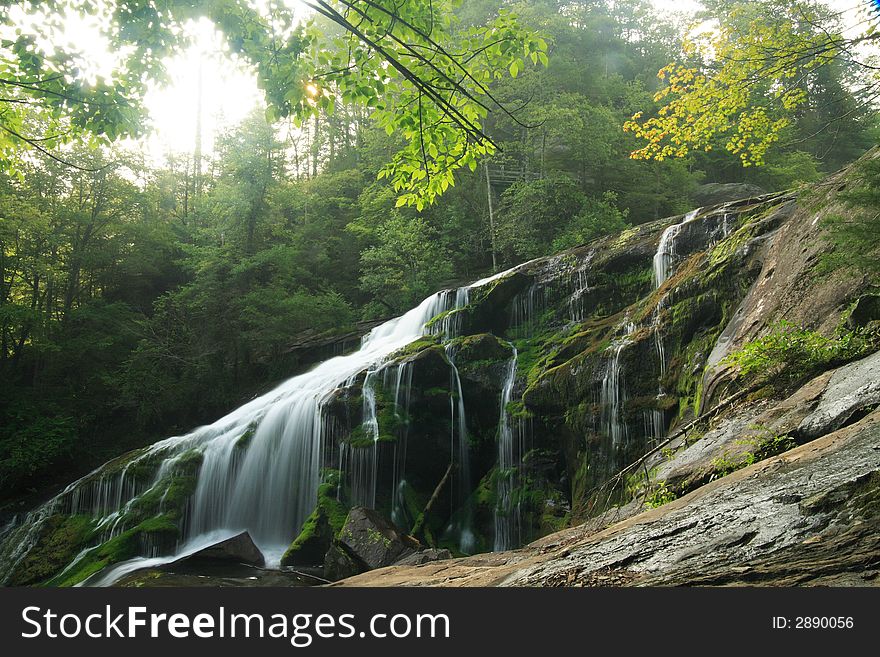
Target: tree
744,82
406,62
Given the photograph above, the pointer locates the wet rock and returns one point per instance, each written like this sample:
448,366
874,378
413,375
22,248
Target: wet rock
852,389
424,556
373,540
806,517
238,549
340,563
715,193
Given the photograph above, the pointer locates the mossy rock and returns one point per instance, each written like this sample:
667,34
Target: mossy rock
319,530
170,495
160,531
245,440
61,539
481,348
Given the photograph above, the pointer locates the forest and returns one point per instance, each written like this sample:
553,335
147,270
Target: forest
139,299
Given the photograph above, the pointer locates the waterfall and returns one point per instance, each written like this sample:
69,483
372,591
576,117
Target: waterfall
460,449
666,253
612,394
363,464
260,465
402,388
664,259
508,521
526,307
576,302
654,424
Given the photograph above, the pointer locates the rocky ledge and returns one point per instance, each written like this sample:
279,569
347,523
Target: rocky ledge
808,516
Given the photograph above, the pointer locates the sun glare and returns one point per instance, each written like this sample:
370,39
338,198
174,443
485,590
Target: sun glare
204,76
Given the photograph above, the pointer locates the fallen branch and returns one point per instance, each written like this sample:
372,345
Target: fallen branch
420,522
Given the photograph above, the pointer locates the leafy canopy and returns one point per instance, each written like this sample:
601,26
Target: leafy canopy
408,61
743,82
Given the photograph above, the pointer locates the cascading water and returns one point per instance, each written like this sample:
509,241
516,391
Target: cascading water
666,253
458,444
525,308
664,259
508,521
402,388
259,466
363,461
612,394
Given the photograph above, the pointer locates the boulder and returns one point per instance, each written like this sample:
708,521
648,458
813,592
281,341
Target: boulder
316,535
424,556
339,563
373,540
238,549
715,193
865,311
312,543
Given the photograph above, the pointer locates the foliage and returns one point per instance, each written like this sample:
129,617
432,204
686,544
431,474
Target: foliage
660,494
788,353
551,214
741,85
596,218
405,265
405,62
765,443
856,235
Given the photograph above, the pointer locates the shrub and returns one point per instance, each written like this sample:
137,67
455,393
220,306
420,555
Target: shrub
788,353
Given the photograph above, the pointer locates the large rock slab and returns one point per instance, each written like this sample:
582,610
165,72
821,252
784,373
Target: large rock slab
238,549
373,540
851,390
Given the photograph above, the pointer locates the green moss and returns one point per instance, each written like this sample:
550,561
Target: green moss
480,352
62,538
324,524
246,437
415,347
125,546
726,248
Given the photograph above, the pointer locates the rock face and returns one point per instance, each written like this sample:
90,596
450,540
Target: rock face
715,193
850,391
810,516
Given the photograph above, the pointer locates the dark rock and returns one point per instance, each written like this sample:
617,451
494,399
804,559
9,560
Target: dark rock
424,556
339,563
239,548
312,544
374,540
865,311
715,193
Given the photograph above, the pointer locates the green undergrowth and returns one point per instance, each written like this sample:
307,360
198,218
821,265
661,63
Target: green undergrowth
789,353
763,444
